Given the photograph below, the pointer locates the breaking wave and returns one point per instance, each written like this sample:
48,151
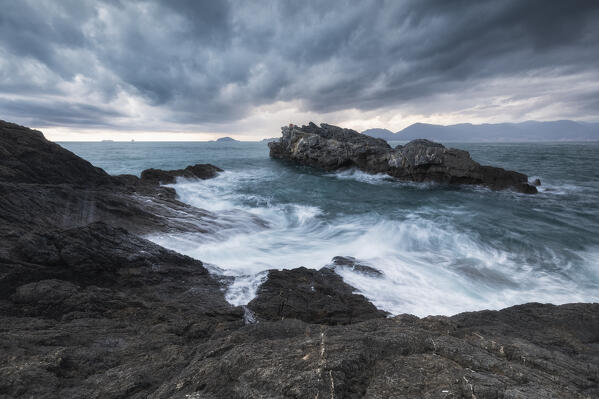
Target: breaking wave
430,263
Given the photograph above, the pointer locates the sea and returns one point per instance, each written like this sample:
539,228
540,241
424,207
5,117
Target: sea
441,249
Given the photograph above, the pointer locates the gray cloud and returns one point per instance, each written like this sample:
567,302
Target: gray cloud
207,62
60,113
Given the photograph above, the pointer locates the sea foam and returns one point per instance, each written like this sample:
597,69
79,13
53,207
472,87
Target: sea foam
428,266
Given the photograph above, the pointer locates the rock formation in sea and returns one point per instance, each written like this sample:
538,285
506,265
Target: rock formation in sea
198,171
330,147
91,309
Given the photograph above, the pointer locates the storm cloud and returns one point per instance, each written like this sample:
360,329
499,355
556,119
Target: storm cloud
193,65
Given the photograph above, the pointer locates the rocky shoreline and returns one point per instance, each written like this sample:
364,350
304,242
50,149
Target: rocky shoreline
89,308
330,147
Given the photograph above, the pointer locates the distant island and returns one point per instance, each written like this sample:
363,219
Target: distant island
107,141
226,140
530,131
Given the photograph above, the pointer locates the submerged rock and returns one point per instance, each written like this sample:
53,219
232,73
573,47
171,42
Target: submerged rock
351,263
331,147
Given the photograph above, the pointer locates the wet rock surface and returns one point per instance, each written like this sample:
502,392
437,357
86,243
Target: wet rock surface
89,309
330,147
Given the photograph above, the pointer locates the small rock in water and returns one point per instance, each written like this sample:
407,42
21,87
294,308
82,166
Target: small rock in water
198,171
353,264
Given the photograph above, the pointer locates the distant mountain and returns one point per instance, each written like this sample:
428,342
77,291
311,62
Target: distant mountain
384,134
564,130
225,140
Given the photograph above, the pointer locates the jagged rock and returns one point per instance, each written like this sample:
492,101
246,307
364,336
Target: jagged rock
531,351
43,186
98,312
331,147
314,296
198,171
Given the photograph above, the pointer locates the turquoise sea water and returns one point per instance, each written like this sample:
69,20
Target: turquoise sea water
442,249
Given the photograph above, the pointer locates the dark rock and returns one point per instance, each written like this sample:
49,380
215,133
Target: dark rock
143,209
536,182
101,255
44,186
199,171
524,188
530,351
27,157
45,292
352,263
127,180
331,147
314,296
98,312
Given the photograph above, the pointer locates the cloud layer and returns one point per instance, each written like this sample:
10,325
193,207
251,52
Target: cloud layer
222,66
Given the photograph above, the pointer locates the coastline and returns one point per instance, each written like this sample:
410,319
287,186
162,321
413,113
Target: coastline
91,309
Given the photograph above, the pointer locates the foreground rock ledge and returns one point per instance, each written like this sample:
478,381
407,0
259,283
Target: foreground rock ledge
330,147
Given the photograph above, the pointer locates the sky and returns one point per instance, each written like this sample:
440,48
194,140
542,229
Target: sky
197,70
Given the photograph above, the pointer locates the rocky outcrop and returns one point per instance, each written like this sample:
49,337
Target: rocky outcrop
483,355
43,187
198,171
88,309
331,147
314,296
95,311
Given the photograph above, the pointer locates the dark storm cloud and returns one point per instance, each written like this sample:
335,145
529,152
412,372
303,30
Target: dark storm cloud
212,61
61,113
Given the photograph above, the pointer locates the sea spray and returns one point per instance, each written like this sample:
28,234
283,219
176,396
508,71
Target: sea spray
443,249
429,266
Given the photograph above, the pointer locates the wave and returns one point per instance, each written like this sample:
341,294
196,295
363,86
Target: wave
363,177
429,265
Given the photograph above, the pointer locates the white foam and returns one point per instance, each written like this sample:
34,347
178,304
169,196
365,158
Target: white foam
428,266
358,175
243,289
